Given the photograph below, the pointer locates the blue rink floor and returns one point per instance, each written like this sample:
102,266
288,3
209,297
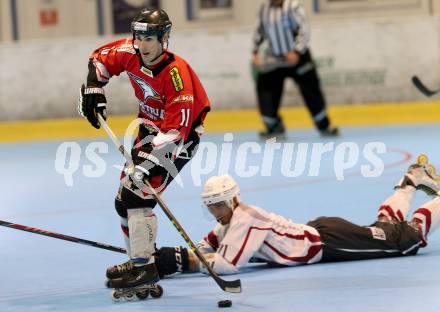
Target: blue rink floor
38,273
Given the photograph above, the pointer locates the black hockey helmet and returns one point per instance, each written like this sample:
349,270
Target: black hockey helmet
151,22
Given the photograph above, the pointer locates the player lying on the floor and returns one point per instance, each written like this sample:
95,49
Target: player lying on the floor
244,232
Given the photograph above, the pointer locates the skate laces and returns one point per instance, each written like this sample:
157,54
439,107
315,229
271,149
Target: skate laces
125,267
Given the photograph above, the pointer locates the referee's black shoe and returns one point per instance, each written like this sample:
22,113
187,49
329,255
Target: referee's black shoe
329,132
278,132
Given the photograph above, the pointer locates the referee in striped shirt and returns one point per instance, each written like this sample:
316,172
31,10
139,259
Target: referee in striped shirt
284,25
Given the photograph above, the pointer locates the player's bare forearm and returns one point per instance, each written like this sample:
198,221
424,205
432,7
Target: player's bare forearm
194,264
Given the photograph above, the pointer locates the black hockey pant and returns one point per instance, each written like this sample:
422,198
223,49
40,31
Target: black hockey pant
344,240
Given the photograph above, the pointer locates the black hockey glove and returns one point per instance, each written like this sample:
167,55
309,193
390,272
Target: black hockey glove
170,260
145,158
143,161
91,102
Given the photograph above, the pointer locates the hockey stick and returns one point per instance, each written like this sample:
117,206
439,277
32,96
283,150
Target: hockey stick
422,88
228,286
61,236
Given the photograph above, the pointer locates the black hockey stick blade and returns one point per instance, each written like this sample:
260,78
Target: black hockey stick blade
228,286
422,88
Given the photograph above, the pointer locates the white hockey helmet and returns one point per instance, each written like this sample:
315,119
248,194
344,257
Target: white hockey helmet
220,188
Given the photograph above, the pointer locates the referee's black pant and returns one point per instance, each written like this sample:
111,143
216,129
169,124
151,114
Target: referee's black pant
344,240
270,88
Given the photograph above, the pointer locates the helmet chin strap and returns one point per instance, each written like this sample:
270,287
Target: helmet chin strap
163,51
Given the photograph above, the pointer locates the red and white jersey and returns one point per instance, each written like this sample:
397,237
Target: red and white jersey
170,94
254,232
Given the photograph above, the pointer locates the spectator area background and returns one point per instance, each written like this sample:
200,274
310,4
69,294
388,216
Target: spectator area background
364,55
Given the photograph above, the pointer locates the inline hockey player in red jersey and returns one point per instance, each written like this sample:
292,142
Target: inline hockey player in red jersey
246,233
172,106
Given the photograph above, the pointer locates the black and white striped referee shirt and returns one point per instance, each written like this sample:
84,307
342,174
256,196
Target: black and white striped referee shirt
285,27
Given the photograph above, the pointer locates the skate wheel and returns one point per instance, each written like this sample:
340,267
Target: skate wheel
156,291
129,297
432,170
115,296
422,159
143,294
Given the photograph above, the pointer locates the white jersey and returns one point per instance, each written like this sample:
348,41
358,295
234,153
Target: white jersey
254,232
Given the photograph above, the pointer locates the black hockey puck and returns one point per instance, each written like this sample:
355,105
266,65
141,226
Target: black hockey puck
224,303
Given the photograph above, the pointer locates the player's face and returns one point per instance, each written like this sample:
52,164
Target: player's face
149,47
221,211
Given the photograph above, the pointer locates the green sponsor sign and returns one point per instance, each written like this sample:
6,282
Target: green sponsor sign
340,78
